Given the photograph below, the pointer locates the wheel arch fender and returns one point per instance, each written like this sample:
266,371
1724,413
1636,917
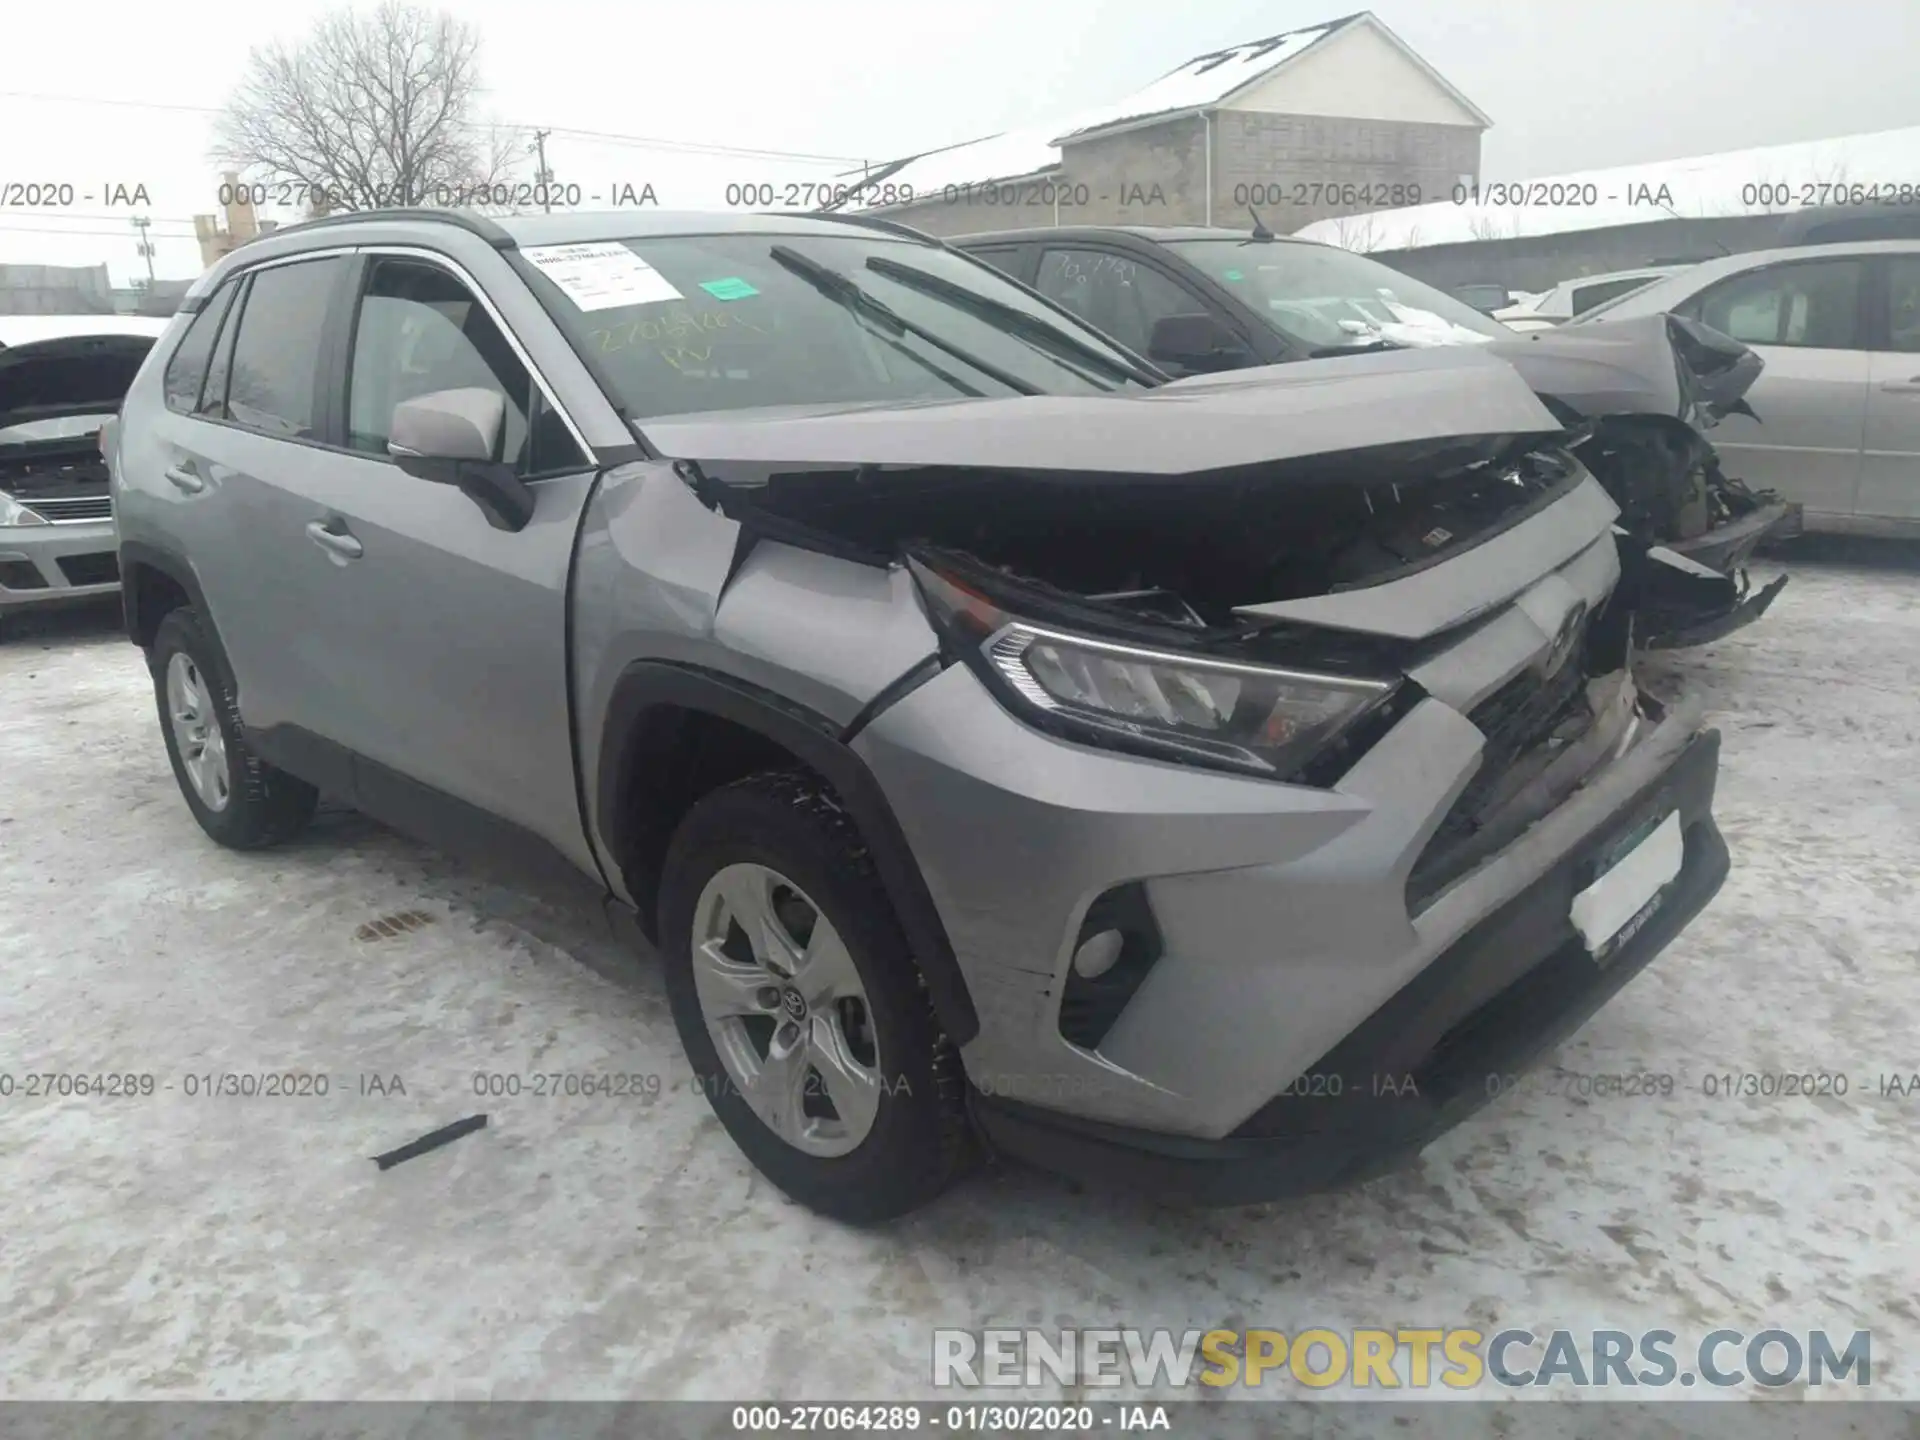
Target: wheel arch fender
143,601
648,689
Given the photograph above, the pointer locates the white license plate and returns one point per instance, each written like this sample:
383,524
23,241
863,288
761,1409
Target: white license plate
1628,888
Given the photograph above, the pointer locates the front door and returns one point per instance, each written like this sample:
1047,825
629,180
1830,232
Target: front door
421,638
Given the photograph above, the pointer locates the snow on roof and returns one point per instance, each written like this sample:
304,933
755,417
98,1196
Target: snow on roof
1202,81
1771,180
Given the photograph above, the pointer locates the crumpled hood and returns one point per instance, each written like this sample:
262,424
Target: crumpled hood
72,375
1651,365
1206,423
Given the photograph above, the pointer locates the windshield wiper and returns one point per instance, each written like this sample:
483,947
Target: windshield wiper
837,287
1365,347
1015,321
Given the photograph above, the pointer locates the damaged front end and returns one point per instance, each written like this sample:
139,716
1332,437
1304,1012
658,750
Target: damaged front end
1638,397
1268,616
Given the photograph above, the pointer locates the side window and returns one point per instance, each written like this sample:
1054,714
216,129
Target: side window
1004,258
276,355
1113,293
1903,303
419,330
213,394
1585,297
1813,304
187,367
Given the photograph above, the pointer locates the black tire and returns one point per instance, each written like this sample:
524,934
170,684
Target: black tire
264,806
920,1142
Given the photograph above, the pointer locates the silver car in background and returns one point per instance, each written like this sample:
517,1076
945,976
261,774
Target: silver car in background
1838,402
61,378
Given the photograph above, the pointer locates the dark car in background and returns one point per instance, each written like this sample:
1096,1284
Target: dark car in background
1199,300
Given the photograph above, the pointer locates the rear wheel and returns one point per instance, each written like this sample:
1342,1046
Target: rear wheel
797,999
239,799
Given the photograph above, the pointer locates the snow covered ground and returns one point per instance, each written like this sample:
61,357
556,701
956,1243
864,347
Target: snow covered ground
173,1245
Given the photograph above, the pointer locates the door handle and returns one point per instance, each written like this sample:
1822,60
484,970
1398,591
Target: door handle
337,544
181,478
1902,387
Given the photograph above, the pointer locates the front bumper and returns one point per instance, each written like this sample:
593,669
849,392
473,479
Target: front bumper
46,564
1727,547
1512,987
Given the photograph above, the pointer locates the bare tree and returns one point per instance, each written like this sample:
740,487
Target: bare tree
372,108
1483,224
1359,233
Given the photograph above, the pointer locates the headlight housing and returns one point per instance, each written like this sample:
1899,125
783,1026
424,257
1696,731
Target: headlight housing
1256,719
12,512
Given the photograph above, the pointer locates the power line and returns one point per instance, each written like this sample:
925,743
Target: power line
109,218
102,234
650,142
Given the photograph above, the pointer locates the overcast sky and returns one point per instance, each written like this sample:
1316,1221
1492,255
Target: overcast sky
1570,85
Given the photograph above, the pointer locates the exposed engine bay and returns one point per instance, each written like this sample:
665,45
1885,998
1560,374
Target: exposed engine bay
1185,551
64,478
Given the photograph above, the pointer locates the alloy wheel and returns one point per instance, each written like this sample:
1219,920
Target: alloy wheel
196,731
784,1005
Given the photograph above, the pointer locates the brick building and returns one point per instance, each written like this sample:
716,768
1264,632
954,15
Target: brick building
1329,120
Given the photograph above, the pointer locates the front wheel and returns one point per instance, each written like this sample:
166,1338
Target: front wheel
239,799
803,1015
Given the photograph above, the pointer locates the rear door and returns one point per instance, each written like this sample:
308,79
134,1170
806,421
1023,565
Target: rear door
425,641
1807,320
1890,461
233,448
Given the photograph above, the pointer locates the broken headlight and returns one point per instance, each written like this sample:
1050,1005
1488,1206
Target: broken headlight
1257,719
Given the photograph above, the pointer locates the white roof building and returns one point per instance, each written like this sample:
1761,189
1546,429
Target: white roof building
1881,167
1218,79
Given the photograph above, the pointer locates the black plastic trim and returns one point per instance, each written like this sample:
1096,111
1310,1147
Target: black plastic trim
1089,1008
1513,987
816,741
449,824
894,691
176,569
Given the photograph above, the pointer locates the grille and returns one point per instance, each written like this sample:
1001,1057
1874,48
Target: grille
67,508
1515,718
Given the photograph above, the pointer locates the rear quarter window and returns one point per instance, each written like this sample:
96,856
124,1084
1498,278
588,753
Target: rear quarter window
186,369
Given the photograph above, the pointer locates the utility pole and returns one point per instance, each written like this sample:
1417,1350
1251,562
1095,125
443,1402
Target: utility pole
140,223
543,177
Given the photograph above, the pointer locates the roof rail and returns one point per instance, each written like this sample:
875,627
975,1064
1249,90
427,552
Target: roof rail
467,220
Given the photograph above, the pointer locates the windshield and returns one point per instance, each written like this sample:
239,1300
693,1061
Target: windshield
690,323
1326,298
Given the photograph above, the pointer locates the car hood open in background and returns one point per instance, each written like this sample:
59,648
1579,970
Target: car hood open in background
69,375
1649,390
1652,365
1641,395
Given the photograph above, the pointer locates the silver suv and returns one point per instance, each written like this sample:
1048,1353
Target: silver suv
1209,788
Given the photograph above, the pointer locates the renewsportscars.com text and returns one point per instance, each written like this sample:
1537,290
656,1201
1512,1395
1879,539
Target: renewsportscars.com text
1399,1358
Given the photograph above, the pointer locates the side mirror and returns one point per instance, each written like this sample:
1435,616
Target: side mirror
448,437
1195,342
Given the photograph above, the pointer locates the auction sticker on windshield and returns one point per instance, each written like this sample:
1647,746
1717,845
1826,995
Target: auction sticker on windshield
602,276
